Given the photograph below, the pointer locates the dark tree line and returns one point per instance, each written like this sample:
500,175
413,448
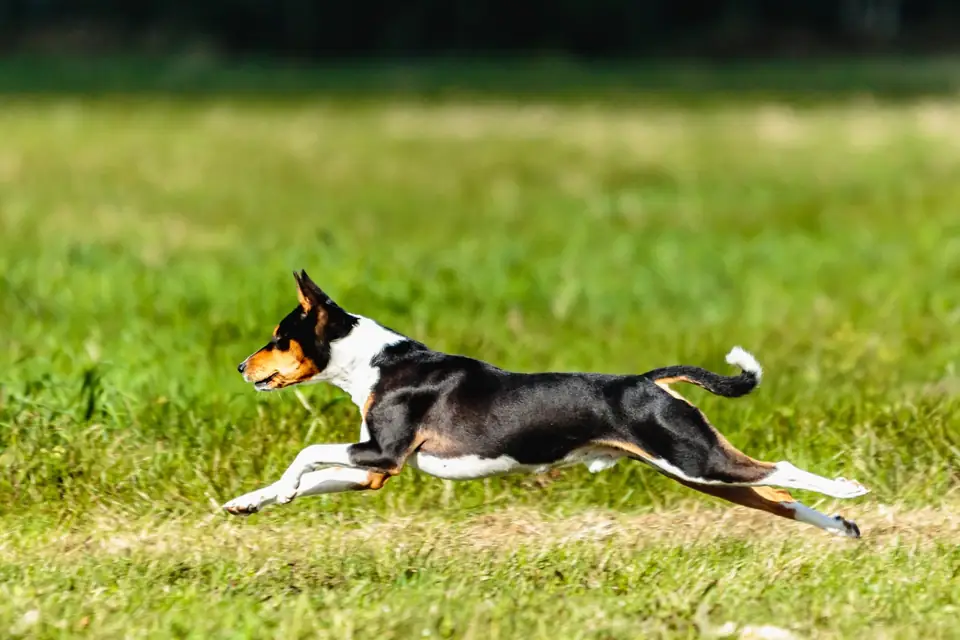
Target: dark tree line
596,28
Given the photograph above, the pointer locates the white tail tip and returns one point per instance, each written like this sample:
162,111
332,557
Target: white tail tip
742,358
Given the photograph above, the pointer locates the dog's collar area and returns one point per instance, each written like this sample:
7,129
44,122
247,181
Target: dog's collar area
351,358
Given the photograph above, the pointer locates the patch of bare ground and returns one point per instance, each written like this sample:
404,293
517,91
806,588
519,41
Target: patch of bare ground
883,526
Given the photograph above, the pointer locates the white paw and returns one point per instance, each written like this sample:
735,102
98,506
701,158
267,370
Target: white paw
242,506
844,488
248,503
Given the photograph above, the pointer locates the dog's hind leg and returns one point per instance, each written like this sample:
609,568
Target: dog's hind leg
778,502
699,453
731,482
783,474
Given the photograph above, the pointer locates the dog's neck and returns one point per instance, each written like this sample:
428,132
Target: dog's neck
350,367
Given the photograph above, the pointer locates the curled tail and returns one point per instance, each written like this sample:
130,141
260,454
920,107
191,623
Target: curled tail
728,386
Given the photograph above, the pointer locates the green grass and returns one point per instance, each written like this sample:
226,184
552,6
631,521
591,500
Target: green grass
146,249
510,574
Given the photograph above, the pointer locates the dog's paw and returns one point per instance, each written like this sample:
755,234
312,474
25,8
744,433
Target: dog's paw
247,504
239,507
850,528
845,488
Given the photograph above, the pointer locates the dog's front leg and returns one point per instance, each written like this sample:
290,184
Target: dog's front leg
367,467
285,489
332,480
310,459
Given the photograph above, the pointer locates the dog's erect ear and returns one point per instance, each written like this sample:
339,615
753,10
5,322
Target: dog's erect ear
331,322
310,295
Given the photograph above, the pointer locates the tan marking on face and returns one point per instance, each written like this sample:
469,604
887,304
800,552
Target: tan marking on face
767,499
287,367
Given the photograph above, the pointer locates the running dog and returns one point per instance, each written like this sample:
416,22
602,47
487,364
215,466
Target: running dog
459,418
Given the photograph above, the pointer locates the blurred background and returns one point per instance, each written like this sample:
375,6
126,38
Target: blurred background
173,44
311,29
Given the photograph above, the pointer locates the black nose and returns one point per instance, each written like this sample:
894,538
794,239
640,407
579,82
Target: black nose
242,366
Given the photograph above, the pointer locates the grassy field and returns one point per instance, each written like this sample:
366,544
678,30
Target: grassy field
146,249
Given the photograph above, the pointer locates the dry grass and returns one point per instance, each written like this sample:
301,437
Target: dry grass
708,572
511,529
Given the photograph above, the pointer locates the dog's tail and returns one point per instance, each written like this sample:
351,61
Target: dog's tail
727,386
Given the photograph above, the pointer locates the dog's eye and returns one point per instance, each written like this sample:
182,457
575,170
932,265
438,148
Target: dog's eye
282,343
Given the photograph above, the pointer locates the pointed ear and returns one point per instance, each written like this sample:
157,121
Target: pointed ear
310,295
307,291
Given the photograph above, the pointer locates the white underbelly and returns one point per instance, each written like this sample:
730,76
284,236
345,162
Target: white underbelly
467,467
472,467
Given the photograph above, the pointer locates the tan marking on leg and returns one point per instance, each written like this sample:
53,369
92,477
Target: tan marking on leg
739,458
766,499
376,480
367,405
629,447
759,469
673,379
439,445
417,443
665,385
414,446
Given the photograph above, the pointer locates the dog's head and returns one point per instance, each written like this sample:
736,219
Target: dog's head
300,348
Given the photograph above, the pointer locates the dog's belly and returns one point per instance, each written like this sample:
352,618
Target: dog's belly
466,467
472,467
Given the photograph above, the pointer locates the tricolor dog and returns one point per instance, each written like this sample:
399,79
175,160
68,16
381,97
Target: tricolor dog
459,418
